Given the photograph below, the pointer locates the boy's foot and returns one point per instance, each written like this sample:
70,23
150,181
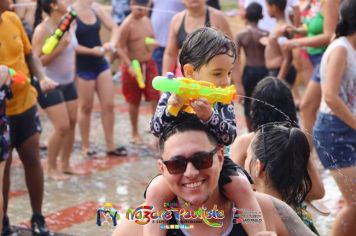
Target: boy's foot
118,152
6,228
87,153
57,175
39,226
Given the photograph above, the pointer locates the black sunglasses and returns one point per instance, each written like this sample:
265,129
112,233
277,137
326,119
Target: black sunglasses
200,160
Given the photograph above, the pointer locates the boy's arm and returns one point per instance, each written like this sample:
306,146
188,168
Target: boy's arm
286,63
161,117
122,46
236,72
222,123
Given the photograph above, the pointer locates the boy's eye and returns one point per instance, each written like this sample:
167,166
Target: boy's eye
217,74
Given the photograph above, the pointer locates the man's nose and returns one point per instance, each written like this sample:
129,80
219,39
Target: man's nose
191,171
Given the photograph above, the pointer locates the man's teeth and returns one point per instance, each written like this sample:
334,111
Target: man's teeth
194,185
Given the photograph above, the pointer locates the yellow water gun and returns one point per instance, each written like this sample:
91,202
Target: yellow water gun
63,26
188,89
139,78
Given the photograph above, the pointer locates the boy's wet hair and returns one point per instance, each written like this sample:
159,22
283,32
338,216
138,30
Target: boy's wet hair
273,103
347,20
185,122
281,4
254,12
204,44
140,2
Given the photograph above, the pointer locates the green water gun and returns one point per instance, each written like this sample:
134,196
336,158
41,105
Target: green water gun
149,40
189,89
139,78
63,26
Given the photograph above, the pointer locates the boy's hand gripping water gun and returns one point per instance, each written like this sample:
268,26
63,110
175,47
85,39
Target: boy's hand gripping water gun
188,89
139,78
63,26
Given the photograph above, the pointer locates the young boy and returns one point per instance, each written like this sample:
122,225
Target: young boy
133,31
249,40
206,55
278,58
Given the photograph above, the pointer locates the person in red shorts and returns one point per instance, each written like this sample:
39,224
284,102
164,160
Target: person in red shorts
133,31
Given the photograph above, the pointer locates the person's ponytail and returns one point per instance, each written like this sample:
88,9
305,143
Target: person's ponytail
297,156
38,14
284,153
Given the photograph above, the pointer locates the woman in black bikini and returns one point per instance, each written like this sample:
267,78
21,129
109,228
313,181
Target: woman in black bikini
196,15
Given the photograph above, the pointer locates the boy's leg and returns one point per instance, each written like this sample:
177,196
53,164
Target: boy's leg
157,194
132,94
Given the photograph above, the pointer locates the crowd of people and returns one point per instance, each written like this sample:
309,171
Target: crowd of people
270,170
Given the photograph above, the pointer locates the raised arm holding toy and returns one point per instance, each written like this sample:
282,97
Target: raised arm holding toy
63,26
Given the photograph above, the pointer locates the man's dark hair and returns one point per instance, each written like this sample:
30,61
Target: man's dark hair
272,102
254,12
185,122
204,44
281,4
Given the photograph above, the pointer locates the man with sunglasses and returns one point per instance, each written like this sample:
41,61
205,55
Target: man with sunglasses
191,163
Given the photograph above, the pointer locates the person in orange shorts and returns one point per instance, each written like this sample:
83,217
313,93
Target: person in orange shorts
132,46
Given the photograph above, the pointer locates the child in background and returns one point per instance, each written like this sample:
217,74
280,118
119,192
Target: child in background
249,40
4,132
206,55
278,58
133,31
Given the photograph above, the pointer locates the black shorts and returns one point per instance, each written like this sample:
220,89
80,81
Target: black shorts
290,78
250,78
23,126
61,94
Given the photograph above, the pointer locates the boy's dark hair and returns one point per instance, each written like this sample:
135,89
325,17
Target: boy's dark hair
140,2
284,153
281,4
254,12
347,20
185,122
202,45
272,102
42,5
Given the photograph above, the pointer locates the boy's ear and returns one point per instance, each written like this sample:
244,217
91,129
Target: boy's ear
188,70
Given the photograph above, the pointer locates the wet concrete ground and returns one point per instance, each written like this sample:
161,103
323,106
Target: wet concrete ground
70,206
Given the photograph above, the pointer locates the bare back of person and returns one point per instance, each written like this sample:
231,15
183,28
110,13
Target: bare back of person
273,51
249,39
138,30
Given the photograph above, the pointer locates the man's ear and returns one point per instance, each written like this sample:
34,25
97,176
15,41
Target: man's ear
160,166
220,154
188,70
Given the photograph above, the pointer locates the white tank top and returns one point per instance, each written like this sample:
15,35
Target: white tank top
62,68
348,82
